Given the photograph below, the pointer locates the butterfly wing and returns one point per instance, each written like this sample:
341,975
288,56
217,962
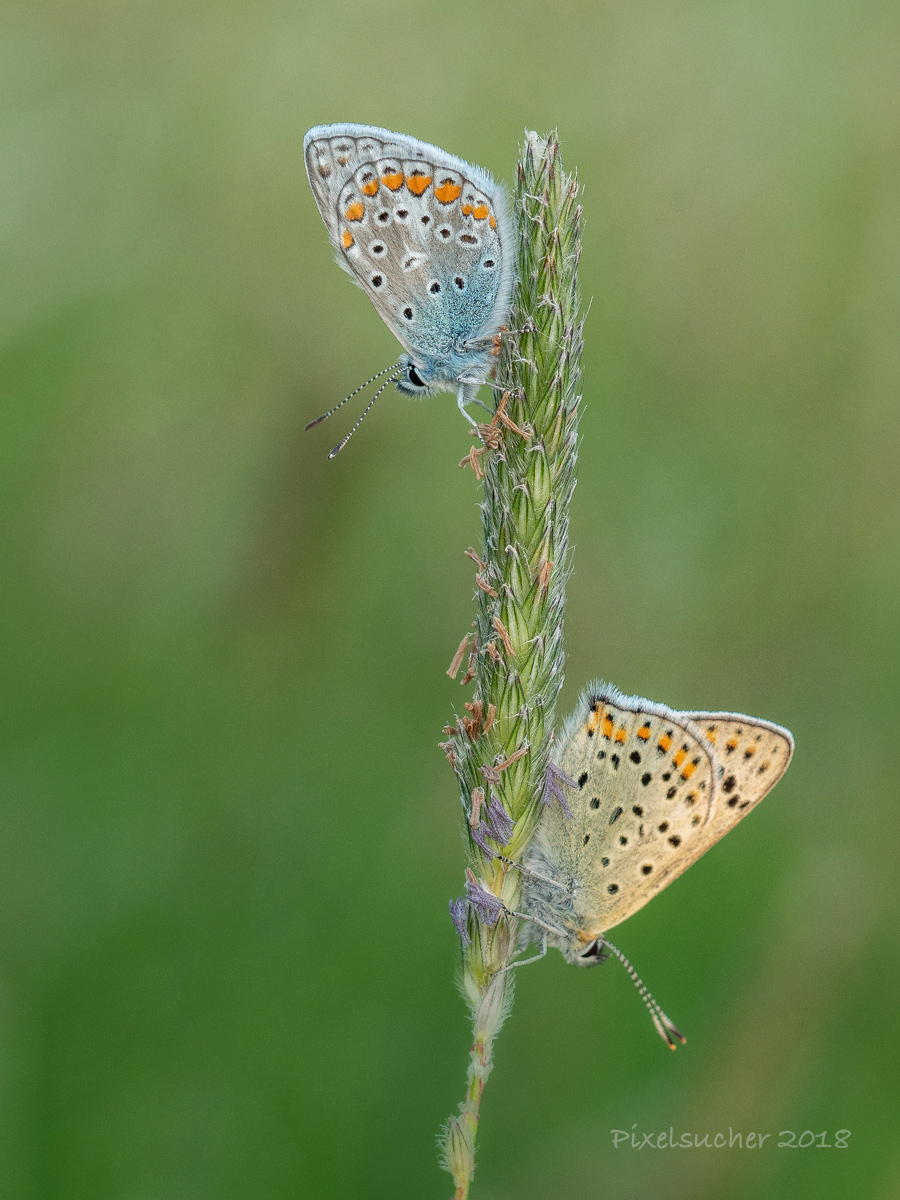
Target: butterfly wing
655,789
424,234
754,754
646,791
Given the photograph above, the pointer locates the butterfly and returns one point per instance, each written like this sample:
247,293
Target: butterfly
428,238
649,790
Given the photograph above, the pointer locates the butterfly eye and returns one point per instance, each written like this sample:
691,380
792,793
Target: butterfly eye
414,377
594,951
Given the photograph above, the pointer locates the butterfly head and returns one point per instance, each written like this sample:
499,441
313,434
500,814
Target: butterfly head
419,376
426,375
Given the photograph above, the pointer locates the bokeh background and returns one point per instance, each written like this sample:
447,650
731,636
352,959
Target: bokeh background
227,836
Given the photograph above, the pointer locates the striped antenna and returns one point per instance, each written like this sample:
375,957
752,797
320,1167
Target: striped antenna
664,1027
325,416
343,442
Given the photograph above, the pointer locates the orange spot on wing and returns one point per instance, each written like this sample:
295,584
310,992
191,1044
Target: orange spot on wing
417,182
621,734
393,180
711,735
370,188
688,771
480,212
644,732
595,719
732,743
665,743
606,726
679,758
466,209
355,212
347,238
493,222
447,191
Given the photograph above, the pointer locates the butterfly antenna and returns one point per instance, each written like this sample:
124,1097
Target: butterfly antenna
325,416
343,442
666,1029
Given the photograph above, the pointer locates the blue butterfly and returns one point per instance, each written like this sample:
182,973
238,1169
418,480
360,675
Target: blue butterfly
428,237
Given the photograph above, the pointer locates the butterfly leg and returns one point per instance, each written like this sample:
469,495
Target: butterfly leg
477,383
467,394
535,921
533,874
523,962
496,339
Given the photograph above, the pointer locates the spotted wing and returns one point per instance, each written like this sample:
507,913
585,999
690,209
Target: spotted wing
754,754
646,790
422,232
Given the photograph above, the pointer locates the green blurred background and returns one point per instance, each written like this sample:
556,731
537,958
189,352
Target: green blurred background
227,836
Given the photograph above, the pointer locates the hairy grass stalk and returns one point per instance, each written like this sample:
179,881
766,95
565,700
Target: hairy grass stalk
500,748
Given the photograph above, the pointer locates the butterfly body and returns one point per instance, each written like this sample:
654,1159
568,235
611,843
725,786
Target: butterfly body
428,238
653,790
